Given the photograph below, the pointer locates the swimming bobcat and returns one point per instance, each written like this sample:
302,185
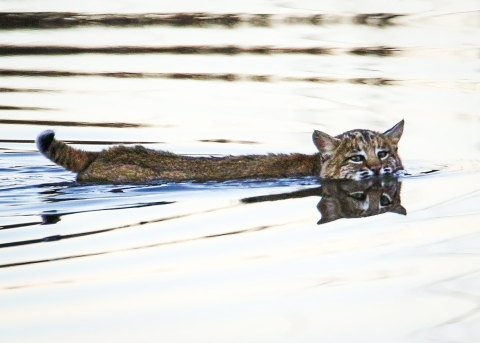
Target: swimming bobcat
355,154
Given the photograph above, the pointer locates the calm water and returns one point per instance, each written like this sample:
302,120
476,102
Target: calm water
240,261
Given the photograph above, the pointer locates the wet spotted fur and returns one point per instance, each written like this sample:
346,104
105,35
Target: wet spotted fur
359,154
335,160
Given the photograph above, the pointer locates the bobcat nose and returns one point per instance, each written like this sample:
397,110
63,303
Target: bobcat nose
376,169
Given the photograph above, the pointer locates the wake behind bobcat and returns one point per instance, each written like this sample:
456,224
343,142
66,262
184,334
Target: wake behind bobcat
355,154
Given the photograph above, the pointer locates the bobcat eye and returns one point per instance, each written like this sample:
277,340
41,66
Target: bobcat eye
385,200
357,158
359,196
382,154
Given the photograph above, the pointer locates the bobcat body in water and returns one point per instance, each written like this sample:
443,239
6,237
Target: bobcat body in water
355,154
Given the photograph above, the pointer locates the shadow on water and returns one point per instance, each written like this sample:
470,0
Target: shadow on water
348,199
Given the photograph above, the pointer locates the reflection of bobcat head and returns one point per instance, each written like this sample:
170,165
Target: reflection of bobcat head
355,199
347,198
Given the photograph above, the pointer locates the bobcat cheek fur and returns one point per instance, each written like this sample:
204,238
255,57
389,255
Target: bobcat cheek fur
355,154
359,154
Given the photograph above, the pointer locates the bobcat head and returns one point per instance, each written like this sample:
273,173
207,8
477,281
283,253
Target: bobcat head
359,154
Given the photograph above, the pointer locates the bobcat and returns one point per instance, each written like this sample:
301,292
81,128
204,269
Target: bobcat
355,154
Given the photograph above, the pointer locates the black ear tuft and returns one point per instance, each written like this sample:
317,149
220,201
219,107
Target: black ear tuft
44,140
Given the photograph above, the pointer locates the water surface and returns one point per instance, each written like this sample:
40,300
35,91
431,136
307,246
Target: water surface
240,260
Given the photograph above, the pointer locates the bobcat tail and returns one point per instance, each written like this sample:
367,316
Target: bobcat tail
70,158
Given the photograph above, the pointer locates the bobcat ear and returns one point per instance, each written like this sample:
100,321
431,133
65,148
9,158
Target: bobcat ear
399,209
395,132
326,144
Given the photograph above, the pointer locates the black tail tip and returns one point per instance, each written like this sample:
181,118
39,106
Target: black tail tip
44,140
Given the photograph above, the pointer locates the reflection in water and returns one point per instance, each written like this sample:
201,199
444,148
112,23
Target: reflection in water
23,108
230,77
376,19
24,90
16,50
348,198
90,142
59,123
351,199
58,20
222,140
48,219
54,218
18,225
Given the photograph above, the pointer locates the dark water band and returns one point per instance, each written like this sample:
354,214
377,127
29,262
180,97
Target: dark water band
62,20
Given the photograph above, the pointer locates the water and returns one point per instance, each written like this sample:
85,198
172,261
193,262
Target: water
242,261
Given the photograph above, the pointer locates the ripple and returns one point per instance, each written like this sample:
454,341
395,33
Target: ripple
58,20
